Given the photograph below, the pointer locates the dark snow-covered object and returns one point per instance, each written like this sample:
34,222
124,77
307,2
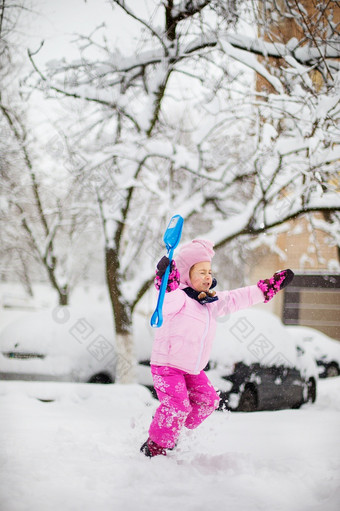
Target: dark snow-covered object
61,344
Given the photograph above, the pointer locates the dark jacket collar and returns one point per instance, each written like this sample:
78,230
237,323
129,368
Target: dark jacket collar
192,293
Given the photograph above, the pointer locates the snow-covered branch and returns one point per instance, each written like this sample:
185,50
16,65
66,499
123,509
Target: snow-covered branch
184,124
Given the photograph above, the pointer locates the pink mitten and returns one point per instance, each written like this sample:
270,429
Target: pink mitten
278,281
174,277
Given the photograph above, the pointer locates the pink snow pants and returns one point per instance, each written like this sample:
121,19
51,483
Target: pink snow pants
186,400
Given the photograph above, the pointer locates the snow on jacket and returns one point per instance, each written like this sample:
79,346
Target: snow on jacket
184,341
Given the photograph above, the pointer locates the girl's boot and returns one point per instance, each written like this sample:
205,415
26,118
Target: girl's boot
151,449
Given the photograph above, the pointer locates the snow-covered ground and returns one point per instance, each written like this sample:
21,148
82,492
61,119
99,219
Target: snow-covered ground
79,450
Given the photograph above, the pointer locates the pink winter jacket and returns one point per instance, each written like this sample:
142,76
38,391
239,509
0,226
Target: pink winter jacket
185,339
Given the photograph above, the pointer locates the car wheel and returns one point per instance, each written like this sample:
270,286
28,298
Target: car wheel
311,391
332,370
296,406
100,378
248,400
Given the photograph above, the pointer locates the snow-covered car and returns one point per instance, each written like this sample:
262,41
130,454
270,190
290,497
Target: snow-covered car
257,365
324,349
61,344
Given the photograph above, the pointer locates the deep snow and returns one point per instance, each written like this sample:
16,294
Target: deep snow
81,451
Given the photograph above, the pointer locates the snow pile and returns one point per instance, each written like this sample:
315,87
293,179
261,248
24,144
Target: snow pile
67,343
76,446
56,329
253,336
319,344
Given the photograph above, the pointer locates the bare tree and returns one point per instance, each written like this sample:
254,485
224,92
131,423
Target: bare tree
178,126
41,216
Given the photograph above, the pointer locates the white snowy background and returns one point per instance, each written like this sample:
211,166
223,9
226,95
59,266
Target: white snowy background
75,446
67,446
81,452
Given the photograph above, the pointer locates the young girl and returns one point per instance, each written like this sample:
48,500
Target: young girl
182,345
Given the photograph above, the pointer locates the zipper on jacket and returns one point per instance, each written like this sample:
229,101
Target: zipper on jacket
203,338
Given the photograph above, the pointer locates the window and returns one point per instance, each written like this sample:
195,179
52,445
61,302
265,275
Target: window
314,301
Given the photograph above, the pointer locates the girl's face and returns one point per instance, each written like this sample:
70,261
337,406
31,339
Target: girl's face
200,276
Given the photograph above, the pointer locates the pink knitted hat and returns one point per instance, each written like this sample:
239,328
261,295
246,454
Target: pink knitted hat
194,252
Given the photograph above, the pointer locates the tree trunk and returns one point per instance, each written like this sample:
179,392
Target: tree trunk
63,291
63,295
25,278
126,361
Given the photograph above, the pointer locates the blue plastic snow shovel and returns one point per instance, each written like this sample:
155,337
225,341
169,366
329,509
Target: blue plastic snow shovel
171,239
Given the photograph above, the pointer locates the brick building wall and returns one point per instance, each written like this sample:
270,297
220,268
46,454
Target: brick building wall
307,253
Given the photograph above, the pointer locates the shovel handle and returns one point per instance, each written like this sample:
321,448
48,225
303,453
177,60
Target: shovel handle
157,316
